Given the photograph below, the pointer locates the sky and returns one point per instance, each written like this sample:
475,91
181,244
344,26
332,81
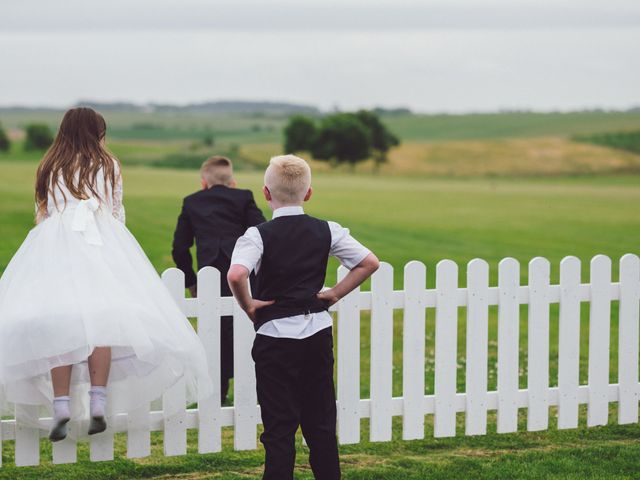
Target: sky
430,56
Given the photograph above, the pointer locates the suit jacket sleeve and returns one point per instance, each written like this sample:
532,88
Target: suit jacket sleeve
182,242
253,215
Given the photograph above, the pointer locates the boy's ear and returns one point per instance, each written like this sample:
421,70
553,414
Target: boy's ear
204,184
267,193
308,195
233,183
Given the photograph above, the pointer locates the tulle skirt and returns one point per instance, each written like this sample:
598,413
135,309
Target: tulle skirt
61,296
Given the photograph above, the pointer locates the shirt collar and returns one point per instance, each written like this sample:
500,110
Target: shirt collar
287,211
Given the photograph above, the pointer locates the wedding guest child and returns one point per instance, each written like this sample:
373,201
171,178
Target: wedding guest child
215,217
293,348
81,307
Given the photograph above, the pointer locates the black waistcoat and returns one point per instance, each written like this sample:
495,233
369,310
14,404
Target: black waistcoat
293,266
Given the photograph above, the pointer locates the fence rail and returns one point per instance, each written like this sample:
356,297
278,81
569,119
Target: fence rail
445,402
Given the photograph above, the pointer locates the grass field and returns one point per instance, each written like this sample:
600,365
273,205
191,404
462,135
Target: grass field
404,219
459,187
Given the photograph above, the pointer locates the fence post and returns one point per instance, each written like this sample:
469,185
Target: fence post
599,334
508,344
477,346
174,399
569,343
628,339
27,442
413,346
538,341
244,384
209,422
65,451
348,365
446,349
381,353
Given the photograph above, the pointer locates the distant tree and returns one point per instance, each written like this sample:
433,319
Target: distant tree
5,144
39,137
208,140
342,138
381,138
299,134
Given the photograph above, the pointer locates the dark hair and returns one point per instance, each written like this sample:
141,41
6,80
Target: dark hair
76,155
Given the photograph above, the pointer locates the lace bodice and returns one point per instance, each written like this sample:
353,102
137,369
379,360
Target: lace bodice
110,201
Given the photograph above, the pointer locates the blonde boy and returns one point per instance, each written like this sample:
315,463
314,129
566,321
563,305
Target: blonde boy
293,348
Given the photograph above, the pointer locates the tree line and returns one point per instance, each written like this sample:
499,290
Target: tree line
341,138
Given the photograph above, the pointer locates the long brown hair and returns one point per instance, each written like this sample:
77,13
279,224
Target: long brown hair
77,155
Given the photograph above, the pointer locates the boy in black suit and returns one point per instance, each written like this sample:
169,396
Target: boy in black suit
215,217
293,348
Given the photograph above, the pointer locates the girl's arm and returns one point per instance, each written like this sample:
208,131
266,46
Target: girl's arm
118,207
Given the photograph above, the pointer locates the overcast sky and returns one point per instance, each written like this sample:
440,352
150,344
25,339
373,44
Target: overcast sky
453,55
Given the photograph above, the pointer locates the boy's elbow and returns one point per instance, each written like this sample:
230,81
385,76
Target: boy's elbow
237,274
371,263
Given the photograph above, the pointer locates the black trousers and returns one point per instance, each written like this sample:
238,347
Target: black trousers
295,388
226,337
226,355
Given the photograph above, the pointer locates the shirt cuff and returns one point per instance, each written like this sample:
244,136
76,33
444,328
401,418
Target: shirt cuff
355,261
245,263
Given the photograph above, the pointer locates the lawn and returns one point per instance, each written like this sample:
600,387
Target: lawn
403,218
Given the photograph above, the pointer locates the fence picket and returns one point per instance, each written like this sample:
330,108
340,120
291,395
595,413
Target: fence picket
413,346
348,365
65,451
244,384
138,433
599,331
101,446
538,341
209,422
174,399
381,353
629,314
569,343
477,347
27,437
446,349
508,344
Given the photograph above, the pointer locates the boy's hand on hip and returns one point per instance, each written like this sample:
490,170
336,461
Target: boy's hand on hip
329,297
255,305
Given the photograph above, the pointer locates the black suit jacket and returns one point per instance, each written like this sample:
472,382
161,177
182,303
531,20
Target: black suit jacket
214,218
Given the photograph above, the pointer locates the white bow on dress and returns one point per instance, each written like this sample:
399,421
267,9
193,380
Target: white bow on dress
84,221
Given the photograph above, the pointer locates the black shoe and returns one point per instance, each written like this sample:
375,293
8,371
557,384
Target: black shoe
97,425
59,430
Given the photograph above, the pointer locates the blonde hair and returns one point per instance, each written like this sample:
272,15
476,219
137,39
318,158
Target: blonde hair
288,178
217,170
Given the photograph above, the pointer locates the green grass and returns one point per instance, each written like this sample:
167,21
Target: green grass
404,219
596,453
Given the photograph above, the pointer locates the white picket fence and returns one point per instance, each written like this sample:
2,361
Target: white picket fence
445,402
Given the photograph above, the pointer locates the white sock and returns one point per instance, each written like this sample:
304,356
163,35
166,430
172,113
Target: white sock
98,401
61,408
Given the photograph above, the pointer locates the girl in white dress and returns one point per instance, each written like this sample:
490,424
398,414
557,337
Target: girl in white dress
81,307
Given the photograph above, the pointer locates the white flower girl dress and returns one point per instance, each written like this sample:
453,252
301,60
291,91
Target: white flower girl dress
80,280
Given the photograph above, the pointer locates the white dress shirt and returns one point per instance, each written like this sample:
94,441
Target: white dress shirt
248,253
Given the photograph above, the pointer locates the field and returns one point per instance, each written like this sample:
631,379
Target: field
435,205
